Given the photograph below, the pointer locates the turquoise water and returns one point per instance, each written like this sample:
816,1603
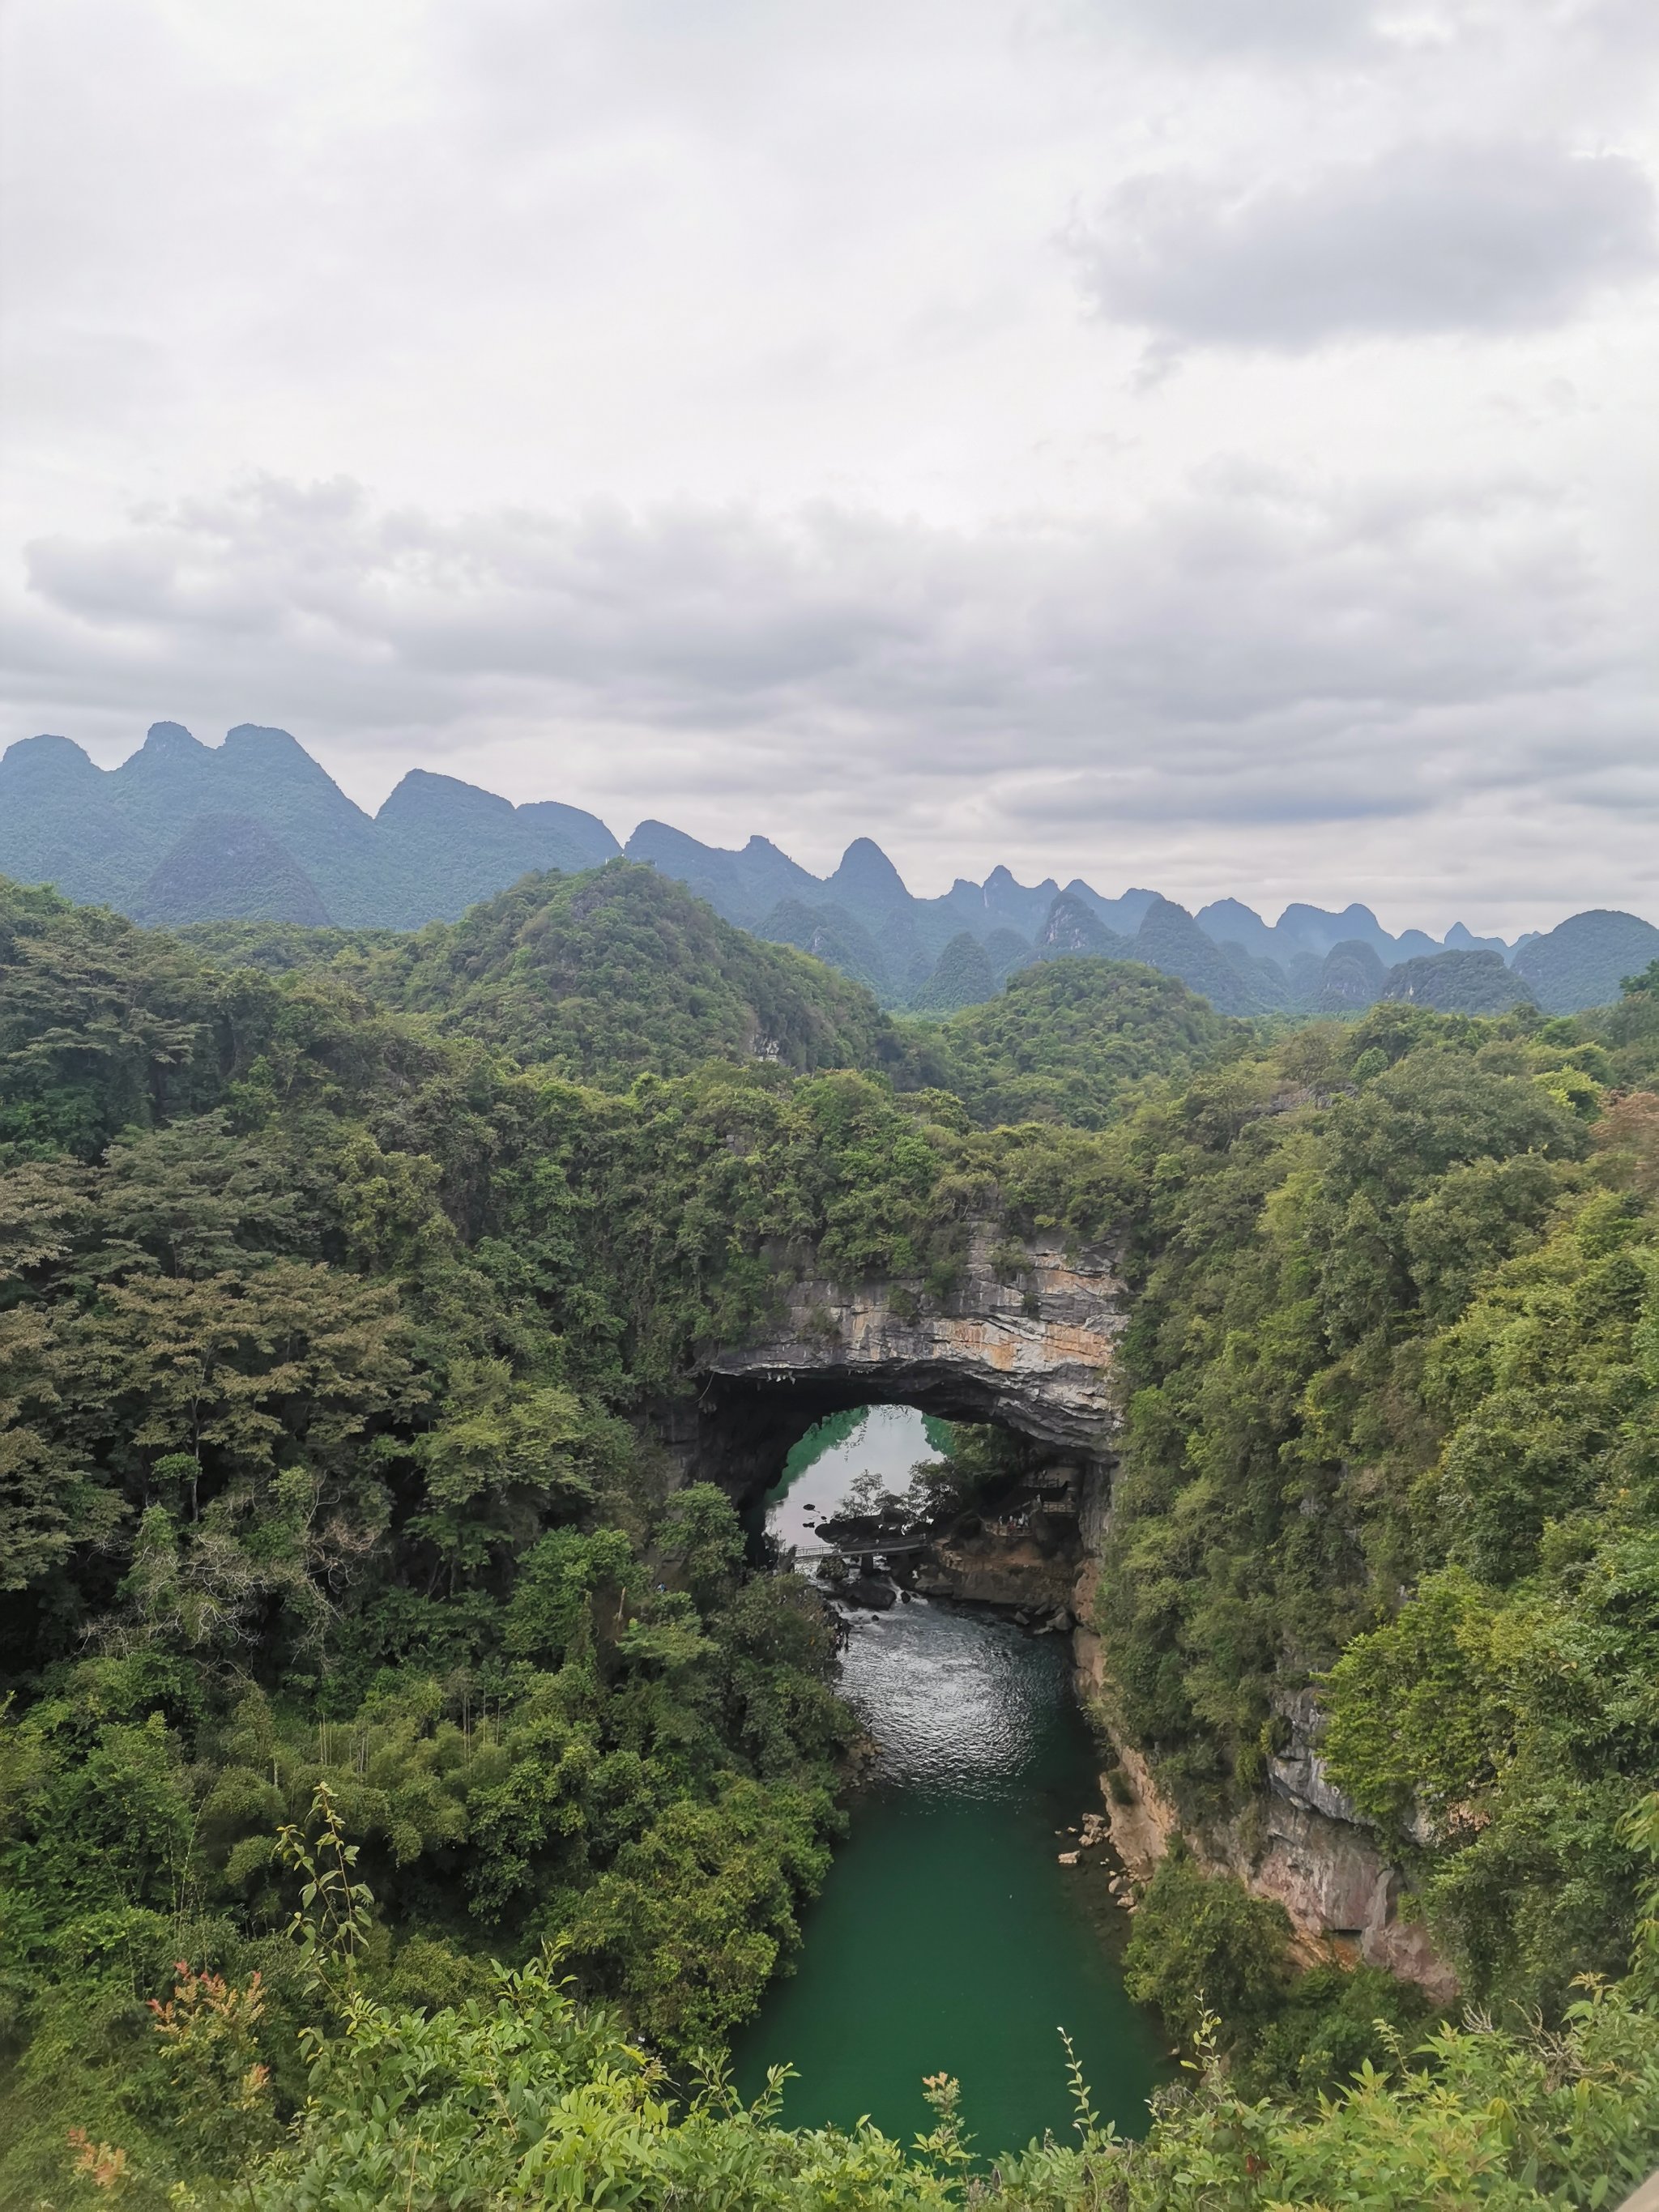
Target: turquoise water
948,1938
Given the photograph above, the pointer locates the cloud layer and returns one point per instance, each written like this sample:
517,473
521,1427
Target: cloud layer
1166,439
1260,656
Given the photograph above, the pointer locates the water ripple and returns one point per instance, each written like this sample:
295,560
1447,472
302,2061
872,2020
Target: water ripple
954,1704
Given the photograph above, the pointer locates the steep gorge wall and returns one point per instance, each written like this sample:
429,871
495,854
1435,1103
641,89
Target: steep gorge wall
1033,1348
1301,1843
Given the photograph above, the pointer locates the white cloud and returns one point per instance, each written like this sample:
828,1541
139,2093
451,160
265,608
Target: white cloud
1423,240
1297,32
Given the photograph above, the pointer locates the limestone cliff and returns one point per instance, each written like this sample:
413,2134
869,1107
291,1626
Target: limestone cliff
1302,1843
1029,1345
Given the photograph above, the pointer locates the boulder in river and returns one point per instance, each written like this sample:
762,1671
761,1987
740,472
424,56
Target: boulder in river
874,1591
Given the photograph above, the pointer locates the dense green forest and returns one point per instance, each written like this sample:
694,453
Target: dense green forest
1401,1340
405,1788
1069,1039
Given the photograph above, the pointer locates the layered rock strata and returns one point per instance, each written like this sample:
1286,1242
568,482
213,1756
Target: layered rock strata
1027,1339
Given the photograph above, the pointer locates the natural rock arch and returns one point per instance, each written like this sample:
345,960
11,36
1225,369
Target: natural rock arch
1033,1347
1029,1346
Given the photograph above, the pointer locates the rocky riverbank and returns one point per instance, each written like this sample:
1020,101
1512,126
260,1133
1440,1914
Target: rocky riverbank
1301,1843
1023,1558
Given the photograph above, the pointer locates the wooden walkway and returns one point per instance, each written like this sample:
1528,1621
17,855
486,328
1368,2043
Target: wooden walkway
860,1548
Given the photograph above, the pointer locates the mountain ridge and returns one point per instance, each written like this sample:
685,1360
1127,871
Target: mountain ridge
256,828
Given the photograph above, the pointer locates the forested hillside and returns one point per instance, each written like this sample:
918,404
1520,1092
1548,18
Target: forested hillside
617,973
322,1341
1396,1336
1069,1041
356,1634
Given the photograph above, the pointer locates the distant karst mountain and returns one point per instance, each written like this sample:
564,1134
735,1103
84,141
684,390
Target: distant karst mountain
254,829
435,849
228,868
1459,982
1582,963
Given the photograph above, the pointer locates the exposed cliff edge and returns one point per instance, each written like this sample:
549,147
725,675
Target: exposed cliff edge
1028,1338
1300,1842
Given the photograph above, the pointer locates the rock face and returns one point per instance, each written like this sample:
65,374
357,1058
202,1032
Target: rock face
1297,1773
1015,1576
872,1592
1031,1347
1306,1847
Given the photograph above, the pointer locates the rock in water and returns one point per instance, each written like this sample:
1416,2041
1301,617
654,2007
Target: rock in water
871,1591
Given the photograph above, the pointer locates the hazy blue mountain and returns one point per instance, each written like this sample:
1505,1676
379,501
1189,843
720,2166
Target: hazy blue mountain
1459,940
173,832
227,867
167,782
437,845
1308,933
1008,952
1584,961
864,916
1122,916
1230,922
867,878
1304,972
999,902
258,776
1460,982
1170,940
1263,975
583,836
742,886
913,933
1072,930
1351,977
1316,929
60,825
450,845
830,933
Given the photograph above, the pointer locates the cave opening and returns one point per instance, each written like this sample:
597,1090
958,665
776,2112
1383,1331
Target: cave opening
882,1500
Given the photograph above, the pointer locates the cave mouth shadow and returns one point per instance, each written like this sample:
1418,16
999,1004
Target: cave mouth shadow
747,1426
868,1511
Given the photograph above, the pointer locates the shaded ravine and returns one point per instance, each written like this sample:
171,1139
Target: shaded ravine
948,1938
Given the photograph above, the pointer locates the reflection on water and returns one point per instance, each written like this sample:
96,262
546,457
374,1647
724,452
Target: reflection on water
948,1937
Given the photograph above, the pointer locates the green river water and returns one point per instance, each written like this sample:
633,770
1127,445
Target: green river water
948,1938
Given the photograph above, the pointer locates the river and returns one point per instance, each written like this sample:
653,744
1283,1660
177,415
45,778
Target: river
948,1938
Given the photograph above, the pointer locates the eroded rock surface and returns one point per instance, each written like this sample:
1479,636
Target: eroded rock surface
1297,1773
1306,1847
1031,1348
1012,1573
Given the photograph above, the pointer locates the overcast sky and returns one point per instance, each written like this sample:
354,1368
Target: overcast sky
1208,444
